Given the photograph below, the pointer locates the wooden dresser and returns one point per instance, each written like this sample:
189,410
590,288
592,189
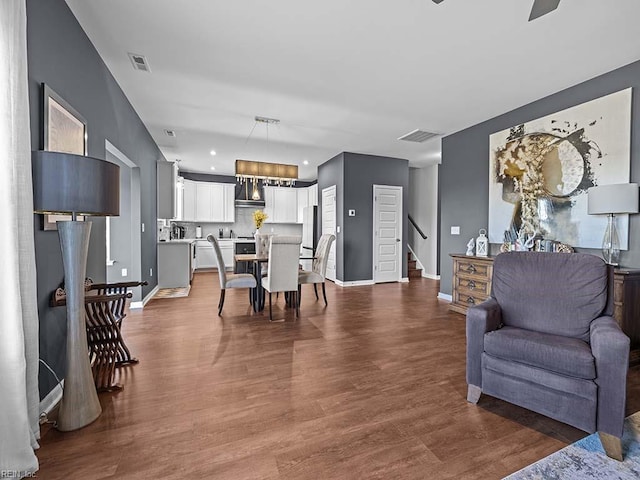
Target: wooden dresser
471,281
472,285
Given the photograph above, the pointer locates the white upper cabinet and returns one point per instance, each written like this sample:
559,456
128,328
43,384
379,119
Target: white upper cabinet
214,202
303,201
281,204
313,195
188,201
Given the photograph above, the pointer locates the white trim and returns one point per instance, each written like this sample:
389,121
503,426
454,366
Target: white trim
445,296
400,232
419,264
145,300
357,283
429,275
53,398
404,280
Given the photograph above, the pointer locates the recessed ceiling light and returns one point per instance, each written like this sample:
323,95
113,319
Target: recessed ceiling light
306,162
212,152
213,168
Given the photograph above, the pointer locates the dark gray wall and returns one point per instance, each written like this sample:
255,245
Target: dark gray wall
354,175
61,55
332,173
361,173
464,189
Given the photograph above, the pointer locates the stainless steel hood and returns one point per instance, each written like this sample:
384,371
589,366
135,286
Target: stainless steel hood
240,203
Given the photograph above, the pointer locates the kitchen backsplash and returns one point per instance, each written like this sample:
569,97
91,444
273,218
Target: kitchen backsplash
243,227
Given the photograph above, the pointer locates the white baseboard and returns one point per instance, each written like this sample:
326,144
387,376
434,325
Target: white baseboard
428,275
357,283
48,403
145,300
445,296
404,280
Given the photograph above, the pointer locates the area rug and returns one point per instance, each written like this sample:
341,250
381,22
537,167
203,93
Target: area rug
173,292
586,459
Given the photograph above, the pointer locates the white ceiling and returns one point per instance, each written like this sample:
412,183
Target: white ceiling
343,75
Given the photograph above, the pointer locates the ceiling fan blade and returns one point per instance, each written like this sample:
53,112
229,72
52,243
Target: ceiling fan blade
542,7
438,1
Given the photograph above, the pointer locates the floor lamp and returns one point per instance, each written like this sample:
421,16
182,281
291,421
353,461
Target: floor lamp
75,185
611,200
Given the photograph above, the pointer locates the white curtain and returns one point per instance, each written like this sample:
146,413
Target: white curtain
19,397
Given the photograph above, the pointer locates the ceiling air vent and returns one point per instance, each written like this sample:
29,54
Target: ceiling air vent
139,62
170,133
418,136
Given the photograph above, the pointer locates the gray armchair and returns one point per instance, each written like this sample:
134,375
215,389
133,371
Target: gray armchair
546,340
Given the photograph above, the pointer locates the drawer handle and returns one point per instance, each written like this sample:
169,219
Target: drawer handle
471,285
471,301
471,268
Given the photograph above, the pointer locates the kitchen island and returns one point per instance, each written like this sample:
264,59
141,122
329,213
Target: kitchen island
176,263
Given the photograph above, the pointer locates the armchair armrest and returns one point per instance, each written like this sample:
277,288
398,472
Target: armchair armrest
481,319
610,348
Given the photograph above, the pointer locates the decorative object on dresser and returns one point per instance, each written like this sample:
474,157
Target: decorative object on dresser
540,171
612,200
73,184
471,244
482,244
545,340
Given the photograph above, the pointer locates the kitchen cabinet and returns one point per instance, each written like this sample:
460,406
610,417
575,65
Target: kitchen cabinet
281,204
206,257
189,201
313,195
166,179
174,264
303,201
214,202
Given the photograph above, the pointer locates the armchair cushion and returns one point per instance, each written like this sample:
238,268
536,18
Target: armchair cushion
564,355
551,293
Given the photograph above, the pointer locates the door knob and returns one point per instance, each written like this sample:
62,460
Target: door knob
397,239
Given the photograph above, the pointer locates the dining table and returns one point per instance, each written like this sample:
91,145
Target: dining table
257,294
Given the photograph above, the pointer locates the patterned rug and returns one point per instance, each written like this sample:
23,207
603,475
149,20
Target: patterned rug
173,292
586,459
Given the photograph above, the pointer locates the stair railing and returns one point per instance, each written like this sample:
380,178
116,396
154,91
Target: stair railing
415,225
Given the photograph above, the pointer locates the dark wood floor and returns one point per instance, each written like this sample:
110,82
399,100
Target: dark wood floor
371,387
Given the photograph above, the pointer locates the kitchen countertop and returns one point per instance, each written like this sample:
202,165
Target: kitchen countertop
190,240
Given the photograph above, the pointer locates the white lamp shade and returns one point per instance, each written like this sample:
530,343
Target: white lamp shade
614,198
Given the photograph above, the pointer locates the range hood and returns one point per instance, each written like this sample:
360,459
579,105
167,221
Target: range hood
242,203
243,197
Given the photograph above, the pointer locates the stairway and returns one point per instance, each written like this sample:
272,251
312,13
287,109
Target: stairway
414,272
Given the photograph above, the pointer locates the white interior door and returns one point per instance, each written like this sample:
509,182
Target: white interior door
387,233
329,226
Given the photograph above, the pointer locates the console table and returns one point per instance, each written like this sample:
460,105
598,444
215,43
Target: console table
472,285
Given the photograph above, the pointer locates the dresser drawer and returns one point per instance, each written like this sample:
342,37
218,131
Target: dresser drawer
472,286
471,267
465,299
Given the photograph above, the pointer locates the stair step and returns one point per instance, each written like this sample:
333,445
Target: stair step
415,273
412,264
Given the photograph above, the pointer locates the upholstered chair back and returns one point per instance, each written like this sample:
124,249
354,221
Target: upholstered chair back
321,256
222,274
556,293
262,244
284,257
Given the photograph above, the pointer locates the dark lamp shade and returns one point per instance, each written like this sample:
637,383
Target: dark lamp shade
613,199
66,183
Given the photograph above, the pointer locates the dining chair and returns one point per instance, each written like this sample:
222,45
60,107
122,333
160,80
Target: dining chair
229,280
262,249
282,270
318,268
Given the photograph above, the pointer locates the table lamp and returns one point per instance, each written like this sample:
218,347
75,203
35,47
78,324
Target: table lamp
611,200
75,185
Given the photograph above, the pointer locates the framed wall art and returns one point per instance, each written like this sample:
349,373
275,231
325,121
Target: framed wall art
539,173
64,130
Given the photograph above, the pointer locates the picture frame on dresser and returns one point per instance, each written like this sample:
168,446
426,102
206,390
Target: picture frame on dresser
64,130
